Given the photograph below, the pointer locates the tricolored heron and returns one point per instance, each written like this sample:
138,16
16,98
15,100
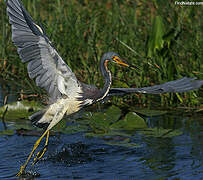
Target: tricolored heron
67,94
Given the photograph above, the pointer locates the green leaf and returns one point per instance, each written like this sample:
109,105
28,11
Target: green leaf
131,122
150,112
101,121
113,113
98,122
156,37
74,129
161,132
118,83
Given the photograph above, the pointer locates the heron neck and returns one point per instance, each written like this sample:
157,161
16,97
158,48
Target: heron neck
107,79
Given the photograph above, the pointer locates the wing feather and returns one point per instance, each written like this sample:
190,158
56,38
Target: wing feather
44,63
181,85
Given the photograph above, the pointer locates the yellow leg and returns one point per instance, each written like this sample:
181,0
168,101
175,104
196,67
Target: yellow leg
22,168
41,153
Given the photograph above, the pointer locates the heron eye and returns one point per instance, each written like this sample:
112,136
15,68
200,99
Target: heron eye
115,58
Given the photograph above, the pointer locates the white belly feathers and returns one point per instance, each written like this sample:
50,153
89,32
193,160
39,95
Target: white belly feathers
57,110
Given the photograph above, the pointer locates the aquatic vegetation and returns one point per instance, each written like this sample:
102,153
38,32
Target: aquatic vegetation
110,124
20,109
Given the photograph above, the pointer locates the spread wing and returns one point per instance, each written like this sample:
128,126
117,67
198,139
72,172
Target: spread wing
44,63
180,85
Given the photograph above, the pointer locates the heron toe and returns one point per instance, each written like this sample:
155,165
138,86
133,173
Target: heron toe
40,154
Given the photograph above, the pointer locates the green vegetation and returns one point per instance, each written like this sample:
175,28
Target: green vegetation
164,39
109,124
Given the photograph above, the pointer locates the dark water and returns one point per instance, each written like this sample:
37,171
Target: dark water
76,156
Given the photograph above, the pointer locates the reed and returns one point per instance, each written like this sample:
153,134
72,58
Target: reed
164,39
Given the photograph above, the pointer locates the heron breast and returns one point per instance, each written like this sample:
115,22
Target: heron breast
71,105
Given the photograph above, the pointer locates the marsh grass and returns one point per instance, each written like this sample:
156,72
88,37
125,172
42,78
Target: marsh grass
164,39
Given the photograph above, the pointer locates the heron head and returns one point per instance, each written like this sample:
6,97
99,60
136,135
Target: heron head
114,57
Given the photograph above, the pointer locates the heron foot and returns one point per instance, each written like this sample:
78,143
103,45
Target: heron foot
40,154
22,170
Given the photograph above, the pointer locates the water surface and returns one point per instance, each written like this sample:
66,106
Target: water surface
154,153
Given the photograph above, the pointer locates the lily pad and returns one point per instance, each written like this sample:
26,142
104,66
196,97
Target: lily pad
112,114
161,132
131,122
150,112
75,128
108,135
101,121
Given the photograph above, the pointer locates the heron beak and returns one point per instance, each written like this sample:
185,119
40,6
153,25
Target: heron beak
124,63
120,61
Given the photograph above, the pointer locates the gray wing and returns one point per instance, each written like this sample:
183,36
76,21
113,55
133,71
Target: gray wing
180,85
44,63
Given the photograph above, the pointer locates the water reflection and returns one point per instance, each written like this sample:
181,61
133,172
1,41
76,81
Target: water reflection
7,91
180,156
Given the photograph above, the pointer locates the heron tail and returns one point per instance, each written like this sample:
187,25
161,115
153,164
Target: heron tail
35,118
